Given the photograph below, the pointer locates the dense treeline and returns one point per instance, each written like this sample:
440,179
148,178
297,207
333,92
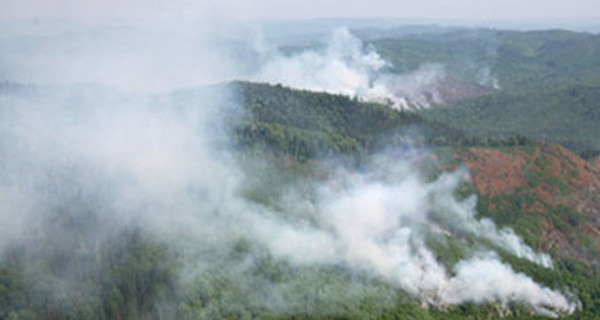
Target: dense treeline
306,124
315,123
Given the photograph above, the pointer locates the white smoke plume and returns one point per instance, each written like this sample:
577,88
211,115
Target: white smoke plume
486,78
463,219
346,66
343,67
161,162
374,224
482,280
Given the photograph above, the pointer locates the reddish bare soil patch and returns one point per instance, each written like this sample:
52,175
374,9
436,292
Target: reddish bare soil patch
555,178
495,172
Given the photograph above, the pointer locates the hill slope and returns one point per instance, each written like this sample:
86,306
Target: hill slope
566,116
546,192
509,60
291,134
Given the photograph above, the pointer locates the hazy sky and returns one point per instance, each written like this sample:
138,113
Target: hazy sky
278,9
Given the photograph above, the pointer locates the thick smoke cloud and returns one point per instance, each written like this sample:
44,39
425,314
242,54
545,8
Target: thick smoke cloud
464,220
379,222
345,66
109,160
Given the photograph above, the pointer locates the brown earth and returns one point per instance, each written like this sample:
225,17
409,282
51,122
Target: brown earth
439,91
452,89
561,188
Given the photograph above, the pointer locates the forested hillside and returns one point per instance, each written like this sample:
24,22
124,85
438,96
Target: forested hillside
308,124
136,276
543,84
248,200
567,116
548,194
508,60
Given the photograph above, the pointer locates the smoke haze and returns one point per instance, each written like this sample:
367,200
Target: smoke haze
346,66
81,162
